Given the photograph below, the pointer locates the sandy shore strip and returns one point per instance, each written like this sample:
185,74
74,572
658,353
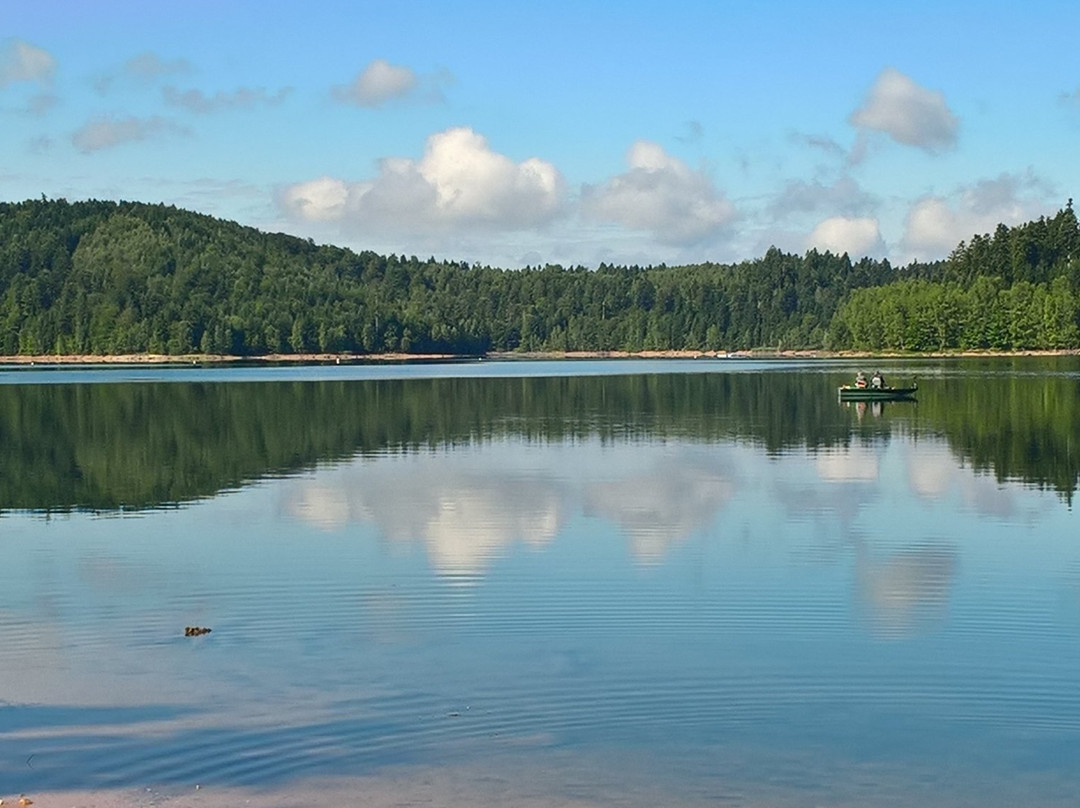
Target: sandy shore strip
470,785
212,359
332,358
329,794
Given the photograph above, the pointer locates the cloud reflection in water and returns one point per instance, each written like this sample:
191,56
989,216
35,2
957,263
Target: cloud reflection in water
907,590
467,511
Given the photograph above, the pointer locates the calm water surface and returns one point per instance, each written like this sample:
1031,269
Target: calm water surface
679,583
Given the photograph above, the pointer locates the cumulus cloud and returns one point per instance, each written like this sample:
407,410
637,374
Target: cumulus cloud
843,196
662,195
856,237
932,229
935,225
376,84
145,68
41,103
242,98
150,65
1009,194
320,200
909,114
20,61
460,180
106,132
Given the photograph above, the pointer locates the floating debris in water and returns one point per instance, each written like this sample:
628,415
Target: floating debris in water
196,631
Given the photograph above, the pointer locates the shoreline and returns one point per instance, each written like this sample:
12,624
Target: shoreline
327,358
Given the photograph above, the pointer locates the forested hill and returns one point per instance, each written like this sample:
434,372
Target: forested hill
111,278
102,277
1018,289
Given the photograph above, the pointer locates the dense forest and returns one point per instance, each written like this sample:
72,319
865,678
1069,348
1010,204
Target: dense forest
1018,289
99,277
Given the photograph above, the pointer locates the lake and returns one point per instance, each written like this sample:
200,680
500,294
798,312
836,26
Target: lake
627,583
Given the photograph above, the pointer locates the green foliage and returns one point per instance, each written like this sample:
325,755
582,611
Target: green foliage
1015,290
918,315
105,278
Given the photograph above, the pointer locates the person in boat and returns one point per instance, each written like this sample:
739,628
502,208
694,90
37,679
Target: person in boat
860,379
877,381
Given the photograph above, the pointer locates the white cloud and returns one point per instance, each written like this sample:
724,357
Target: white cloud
376,84
241,98
460,180
319,200
909,114
106,132
935,225
145,68
842,196
932,229
856,237
662,195
21,61
1009,195
41,103
150,65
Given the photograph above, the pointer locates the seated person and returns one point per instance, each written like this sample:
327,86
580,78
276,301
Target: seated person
860,379
878,381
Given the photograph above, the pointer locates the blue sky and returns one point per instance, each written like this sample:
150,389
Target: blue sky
579,132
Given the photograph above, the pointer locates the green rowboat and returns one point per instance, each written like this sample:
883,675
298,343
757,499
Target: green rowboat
850,392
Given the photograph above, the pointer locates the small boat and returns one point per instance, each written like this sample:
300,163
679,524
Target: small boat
849,392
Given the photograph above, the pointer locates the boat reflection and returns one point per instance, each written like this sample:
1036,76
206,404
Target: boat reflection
874,409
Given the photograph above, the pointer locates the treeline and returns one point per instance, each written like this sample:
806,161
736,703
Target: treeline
108,278
919,315
1016,290
100,277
